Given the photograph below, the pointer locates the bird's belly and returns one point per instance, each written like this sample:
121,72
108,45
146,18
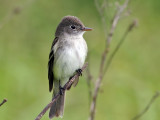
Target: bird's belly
68,62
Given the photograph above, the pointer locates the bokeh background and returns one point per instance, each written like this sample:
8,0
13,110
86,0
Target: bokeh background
26,33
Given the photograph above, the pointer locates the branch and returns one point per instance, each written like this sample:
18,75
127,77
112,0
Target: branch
100,10
66,86
89,80
105,54
111,32
154,97
129,29
4,100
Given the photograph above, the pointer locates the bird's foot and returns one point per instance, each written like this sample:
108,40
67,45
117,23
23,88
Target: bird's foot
79,71
61,89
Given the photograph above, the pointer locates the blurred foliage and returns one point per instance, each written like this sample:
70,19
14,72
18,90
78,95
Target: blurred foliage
25,41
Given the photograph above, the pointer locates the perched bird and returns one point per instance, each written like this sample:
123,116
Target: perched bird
67,56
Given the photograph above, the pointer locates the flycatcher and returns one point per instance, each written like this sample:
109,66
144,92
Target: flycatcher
67,56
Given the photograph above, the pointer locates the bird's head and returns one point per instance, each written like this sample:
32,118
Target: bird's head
71,25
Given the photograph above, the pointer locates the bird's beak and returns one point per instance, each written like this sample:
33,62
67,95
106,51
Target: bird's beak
87,29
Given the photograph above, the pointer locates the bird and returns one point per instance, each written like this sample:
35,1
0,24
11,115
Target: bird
66,58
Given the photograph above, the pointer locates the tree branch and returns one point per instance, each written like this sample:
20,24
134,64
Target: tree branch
100,10
66,86
129,29
154,97
105,54
4,100
89,80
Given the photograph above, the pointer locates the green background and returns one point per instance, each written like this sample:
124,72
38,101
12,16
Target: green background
25,41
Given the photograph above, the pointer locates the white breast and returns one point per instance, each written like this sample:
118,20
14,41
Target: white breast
70,58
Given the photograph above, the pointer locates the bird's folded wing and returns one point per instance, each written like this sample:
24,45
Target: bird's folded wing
50,65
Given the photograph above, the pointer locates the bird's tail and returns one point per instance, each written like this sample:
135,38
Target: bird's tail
57,108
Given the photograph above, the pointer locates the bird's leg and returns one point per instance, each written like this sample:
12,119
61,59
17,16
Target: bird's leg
79,71
61,89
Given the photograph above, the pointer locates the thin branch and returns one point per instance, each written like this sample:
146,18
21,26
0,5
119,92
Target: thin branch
66,86
129,29
89,80
101,10
111,32
115,21
104,55
4,100
154,97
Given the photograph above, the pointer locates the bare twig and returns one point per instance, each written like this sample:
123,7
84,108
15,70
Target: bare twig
66,86
154,97
115,21
4,100
105,53
129,29
111,32
89,80
101,10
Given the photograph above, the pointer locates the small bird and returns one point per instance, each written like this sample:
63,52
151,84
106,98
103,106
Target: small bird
67,56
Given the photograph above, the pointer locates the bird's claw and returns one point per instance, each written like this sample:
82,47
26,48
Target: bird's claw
61,90
79,71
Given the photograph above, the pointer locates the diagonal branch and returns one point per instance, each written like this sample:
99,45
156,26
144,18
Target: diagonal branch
129,29
89,79
105,54
4,100
111,32
157,94
66,86
100,10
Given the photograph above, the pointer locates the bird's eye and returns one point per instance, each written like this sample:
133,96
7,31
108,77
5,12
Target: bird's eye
73,27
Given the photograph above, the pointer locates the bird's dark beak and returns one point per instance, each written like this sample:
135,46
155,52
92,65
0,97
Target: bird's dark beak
87,29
